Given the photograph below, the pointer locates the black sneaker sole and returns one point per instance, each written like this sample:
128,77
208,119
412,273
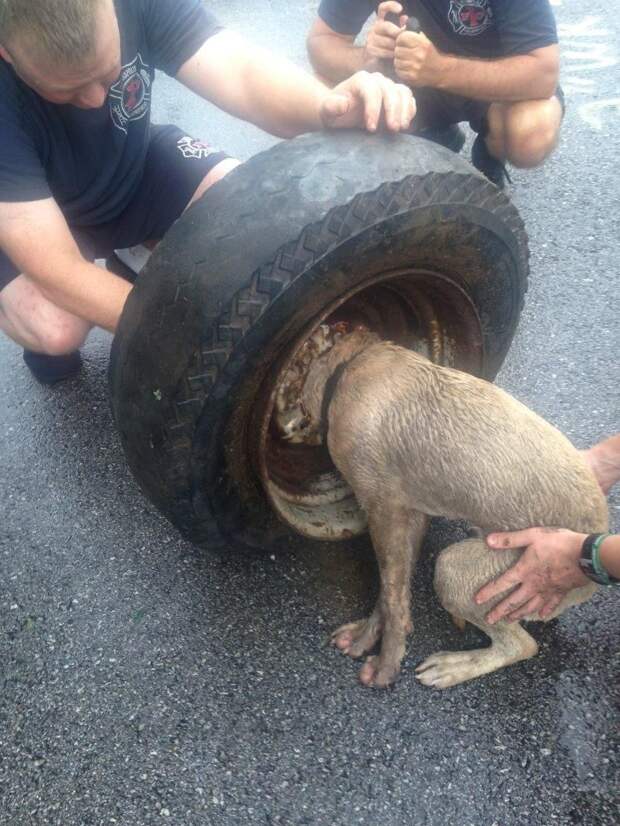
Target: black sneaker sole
52,369
494,170
452,137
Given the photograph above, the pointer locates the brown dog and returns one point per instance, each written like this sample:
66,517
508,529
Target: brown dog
415,440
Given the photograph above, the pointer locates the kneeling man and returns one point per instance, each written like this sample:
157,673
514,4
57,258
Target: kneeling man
493,63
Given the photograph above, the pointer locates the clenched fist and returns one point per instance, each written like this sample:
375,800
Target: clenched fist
416,61
381,40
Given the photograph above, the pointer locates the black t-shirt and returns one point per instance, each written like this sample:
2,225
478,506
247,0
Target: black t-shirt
470,28
91,160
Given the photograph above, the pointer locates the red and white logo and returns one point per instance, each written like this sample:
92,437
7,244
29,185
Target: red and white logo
470,17
130,97
191,148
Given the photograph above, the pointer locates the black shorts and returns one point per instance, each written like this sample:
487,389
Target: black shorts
438,109
174,167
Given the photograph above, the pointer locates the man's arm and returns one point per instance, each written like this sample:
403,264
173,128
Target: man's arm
36,237
254,85
281,98
335,56
529,76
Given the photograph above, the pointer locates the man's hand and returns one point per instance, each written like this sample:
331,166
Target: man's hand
381,40
547,571
362,99
416,61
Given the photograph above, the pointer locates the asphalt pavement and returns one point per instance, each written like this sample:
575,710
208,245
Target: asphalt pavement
145,682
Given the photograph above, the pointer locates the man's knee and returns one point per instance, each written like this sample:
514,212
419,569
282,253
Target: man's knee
62,339
34,322
531,131
49,335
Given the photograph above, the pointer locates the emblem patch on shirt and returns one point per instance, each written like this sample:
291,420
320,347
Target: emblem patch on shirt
470,17
130,97
191,148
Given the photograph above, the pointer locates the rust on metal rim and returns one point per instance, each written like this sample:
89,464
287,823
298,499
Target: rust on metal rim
419,309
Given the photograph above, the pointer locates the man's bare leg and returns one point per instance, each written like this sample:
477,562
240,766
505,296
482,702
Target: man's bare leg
604,459
50,336
524,133
30,319
34,322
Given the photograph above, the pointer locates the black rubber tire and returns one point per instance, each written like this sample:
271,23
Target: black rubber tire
251,264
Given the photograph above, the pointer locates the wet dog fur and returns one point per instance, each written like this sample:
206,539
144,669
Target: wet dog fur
415,440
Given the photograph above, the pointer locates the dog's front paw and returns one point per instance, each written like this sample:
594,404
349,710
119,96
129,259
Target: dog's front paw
379,673
357,638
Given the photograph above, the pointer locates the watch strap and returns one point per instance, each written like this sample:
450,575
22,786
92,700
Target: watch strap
590,562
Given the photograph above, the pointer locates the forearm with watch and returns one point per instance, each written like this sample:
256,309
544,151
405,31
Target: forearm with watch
600,558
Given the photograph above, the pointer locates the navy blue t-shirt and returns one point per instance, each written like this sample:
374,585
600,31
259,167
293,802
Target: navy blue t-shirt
470,28
91,160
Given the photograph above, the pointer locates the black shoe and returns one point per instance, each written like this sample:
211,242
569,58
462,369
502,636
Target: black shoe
490,167
452,137
50,369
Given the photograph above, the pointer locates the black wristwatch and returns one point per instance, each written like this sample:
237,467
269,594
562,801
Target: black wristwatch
590,562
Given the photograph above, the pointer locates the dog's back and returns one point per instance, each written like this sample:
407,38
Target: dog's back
456,446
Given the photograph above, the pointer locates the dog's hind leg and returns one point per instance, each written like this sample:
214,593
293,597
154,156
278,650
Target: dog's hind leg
509,644
397,534
460,571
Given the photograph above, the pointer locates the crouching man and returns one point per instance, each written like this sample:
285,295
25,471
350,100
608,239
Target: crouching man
82,169
493,63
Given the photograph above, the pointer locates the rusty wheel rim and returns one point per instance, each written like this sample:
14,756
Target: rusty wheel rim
423,310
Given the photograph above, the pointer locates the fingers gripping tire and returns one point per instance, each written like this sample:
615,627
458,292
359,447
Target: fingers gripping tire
394,231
